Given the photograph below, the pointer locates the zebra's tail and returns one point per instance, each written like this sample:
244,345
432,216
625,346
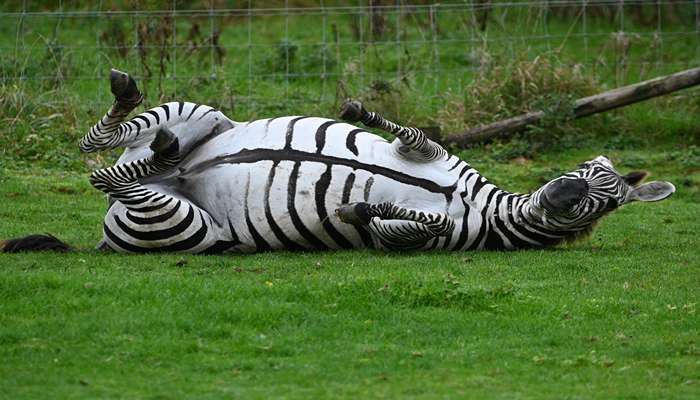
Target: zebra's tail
46,242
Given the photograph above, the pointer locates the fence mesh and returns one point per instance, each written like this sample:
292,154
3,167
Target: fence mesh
262,57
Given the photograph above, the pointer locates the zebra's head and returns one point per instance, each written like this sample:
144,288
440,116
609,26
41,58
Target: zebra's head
579,198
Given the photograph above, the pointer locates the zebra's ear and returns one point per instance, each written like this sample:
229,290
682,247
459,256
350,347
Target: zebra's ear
652,191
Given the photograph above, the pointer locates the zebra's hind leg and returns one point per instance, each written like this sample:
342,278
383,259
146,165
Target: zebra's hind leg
193,123
395,227
414,140
108,133
126,93
144,219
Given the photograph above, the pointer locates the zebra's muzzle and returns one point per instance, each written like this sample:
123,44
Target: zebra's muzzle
354,213
563,194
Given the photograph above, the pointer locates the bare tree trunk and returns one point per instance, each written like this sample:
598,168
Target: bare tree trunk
586,106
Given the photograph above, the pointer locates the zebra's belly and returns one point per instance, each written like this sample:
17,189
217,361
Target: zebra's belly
291,203
275,184
322,141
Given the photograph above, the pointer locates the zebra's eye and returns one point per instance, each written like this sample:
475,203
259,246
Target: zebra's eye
584,165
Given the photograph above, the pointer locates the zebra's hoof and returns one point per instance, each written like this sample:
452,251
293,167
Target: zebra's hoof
124,88
165,142
353,213
352,111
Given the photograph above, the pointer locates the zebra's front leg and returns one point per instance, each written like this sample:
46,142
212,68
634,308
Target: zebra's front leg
396,227
107,133
147,220
414,141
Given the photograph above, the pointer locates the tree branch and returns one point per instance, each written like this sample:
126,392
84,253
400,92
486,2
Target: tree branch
584,107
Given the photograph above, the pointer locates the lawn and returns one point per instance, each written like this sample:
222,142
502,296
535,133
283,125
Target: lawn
611,316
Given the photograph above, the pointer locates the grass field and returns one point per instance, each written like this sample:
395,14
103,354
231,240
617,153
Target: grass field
611,316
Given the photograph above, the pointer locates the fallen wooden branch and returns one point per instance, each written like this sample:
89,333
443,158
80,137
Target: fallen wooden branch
586,106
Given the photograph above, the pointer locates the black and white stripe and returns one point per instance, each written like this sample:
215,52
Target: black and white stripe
412,139
113,131
146,220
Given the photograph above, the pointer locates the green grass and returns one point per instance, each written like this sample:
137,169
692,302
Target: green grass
611,316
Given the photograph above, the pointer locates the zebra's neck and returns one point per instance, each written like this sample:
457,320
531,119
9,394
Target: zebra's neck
547,231
512,222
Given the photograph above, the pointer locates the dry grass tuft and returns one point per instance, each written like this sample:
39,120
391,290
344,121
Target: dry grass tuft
504,89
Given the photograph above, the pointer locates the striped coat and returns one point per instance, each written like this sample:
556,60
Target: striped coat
192,180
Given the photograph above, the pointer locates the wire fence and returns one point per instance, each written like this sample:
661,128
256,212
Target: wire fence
262,57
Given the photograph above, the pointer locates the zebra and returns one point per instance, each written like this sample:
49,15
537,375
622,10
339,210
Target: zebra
192,180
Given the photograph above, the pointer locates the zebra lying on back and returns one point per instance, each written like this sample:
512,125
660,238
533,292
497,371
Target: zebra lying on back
192,180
